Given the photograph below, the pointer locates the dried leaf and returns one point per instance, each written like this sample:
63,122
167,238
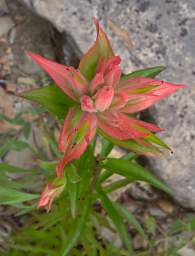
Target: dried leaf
121,33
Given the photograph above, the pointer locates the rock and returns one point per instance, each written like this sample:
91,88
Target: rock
163,33
6,25
185,251
139,242
5,21
3,8
111,237
166,206
156,212
26,81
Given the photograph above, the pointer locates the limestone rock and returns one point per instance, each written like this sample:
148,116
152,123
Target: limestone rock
163,33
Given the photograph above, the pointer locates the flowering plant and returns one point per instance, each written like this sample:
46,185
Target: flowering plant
98,99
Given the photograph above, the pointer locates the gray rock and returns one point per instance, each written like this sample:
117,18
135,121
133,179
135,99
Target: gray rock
6,25
5,20
163,33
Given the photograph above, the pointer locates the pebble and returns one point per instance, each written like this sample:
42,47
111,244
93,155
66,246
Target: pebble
139,242
6,25
26,81
166,206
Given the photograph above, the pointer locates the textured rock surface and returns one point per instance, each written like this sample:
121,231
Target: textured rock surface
163,33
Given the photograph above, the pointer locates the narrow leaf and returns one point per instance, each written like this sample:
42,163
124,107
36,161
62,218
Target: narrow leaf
116,218
12,197
107,147
78,227
148,72
134,171
150,150
72,173
100,49
11,168
14,145
130,218
52,98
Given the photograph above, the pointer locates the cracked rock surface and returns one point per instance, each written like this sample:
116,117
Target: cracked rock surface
163,33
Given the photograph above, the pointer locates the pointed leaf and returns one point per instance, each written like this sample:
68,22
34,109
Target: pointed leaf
47,166
148,72
151,149
11,168
10,196
72,185
106,147
101,49
130,218
52,98
68,79
78,227
72,174
14,145
116,218
134,171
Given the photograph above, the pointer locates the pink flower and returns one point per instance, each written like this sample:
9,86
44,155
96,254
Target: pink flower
51,191
103,100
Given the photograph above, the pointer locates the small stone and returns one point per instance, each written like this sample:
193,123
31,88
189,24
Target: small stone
3,7
10,87
139,242
185,251
6,69
6,25
110,236
156,212
166,206
2,61
26,81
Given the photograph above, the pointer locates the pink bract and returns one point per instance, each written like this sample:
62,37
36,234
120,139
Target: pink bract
104,100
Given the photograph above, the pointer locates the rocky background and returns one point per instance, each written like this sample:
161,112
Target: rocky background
144,33
162,33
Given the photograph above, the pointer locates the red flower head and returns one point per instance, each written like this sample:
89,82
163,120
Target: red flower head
51,191
105,101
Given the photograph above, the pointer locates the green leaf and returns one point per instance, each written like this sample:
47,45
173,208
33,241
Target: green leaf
26,130
130,218
73,194
132,145
78,227
14,145
72,185
129,156
154,139
52,98
11,168
102,220
12,197
85,167
47,166
31,249
150,224
133,171
116,185
101,49
116,218
72,174
148,72
105,175
107,146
